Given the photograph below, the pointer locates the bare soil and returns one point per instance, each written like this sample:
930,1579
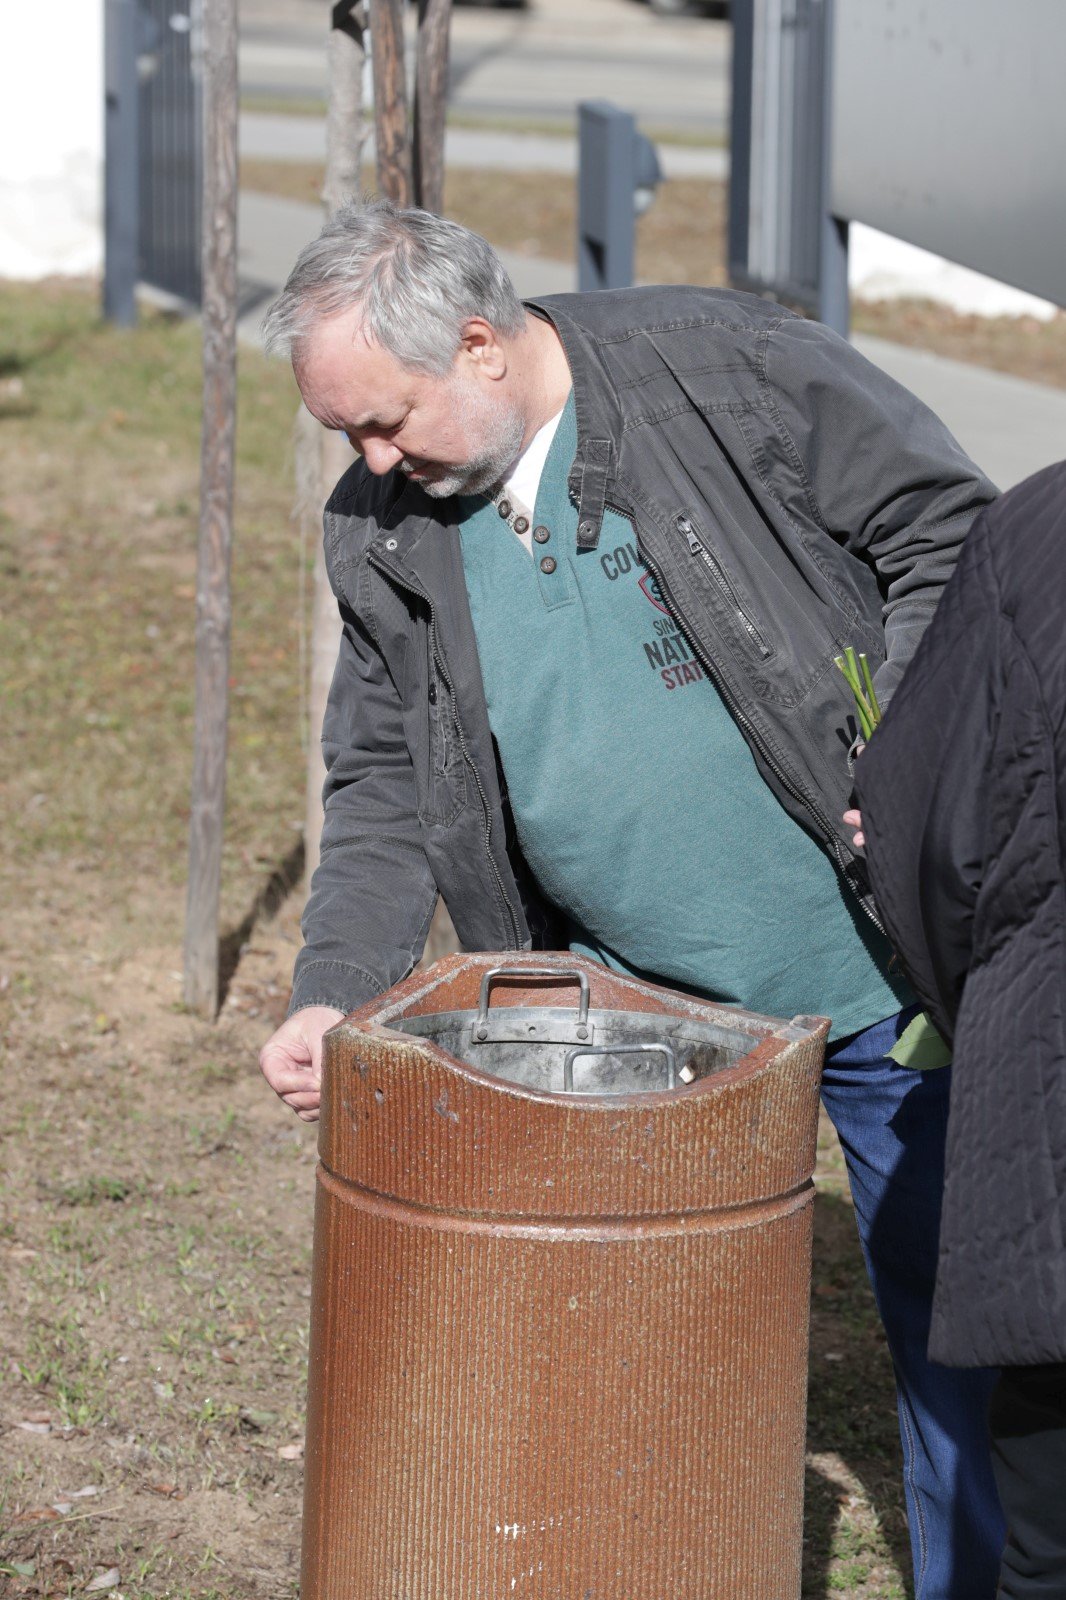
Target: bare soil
155,1201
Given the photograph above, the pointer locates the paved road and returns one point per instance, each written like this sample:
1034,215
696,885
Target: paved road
290,138
534,63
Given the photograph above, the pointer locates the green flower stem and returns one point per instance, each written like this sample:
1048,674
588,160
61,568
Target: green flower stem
871,693
849,668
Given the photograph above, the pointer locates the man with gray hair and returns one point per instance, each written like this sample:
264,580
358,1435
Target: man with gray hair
593,566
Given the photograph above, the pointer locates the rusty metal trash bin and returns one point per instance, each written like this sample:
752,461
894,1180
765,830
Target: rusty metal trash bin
561,1287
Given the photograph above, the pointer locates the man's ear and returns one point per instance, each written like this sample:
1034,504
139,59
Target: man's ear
480,345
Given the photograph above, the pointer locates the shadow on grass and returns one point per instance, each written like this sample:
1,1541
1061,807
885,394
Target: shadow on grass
16,363
284,878
852,1415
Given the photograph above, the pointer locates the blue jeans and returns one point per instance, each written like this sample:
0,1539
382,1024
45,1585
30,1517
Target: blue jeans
892,1123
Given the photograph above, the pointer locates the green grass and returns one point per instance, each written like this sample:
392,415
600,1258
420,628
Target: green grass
98,533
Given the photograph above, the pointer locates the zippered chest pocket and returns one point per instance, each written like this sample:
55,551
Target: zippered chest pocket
443,777
736,613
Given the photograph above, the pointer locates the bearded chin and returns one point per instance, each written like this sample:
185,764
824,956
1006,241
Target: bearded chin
473,478
464,482
498,431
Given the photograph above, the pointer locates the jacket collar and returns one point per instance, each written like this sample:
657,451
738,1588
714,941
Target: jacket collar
599,423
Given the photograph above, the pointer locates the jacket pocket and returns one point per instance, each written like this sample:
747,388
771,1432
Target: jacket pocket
441,771
737,612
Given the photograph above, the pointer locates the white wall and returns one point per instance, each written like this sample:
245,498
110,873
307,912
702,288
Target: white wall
51,137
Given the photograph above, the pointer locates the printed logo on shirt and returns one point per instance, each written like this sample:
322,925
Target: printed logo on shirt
669,653
650,584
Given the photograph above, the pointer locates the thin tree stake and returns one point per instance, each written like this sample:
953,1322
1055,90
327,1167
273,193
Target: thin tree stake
216,504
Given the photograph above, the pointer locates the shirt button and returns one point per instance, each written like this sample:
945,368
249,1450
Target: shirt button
542,534
548,564
504,508
521,524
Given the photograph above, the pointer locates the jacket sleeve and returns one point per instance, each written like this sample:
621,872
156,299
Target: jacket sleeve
926,784
372,896
881,473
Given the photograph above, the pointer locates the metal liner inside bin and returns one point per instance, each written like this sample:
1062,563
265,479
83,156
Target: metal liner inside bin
561,1049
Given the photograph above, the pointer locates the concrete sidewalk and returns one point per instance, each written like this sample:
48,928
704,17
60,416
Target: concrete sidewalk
1010,427
285,138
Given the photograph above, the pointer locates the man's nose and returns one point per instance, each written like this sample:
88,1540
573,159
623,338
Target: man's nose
379,455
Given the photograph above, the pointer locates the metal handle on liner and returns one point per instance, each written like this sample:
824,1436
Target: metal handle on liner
620,1050
562,974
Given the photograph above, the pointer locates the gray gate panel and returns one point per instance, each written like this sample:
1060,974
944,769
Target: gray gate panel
171,145
949,131
782,240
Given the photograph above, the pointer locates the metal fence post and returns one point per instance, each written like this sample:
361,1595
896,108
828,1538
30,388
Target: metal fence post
606,231
783,240
121,148
834,302
740,137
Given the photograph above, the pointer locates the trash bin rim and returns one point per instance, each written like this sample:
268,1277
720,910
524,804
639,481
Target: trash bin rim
763,1057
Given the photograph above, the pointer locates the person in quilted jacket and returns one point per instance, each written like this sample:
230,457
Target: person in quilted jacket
962,795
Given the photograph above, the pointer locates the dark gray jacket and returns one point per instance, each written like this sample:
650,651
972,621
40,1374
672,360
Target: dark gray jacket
789,497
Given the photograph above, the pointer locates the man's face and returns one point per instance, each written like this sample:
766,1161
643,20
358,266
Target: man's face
453,434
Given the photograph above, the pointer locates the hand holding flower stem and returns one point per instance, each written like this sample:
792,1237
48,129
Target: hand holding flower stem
856,671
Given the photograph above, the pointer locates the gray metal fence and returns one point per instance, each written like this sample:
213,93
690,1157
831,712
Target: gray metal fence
170,71
782,239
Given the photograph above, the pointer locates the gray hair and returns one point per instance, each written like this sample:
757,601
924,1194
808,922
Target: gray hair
415,277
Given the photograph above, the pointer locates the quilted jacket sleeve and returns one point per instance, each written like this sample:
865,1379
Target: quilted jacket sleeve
882,474
923,786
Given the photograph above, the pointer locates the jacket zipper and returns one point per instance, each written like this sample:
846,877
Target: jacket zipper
438,661
751,732
722,583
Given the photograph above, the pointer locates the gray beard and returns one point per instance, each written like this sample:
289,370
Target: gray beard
502,431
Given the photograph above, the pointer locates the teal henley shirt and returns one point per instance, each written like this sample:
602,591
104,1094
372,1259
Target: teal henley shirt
638,805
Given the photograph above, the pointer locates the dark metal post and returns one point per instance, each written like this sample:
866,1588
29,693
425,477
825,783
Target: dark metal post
783,239
834,303
121,180
216,504
606,222
743,14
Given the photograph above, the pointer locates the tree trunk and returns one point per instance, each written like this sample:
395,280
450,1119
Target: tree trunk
431,102
390,101
207,810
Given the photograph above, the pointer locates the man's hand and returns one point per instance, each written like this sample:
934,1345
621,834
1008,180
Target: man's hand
853,819
291,1060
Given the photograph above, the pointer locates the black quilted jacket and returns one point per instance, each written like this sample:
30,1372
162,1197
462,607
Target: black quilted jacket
963,794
